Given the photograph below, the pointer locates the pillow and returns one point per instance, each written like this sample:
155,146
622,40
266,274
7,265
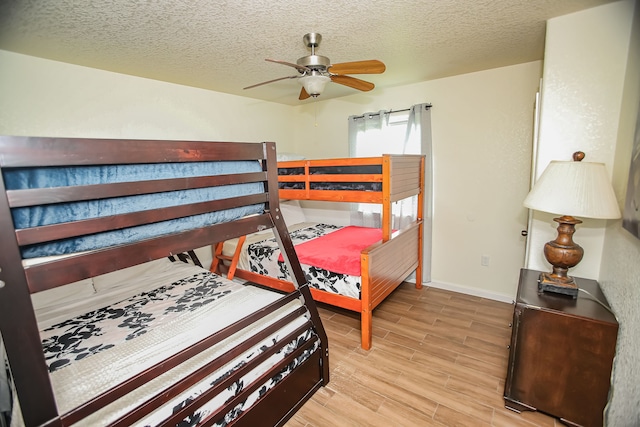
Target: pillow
292,212
284,157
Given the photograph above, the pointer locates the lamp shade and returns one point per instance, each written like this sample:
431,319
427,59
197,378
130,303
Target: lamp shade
575,188
314,83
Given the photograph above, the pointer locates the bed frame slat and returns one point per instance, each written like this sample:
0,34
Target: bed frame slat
233,402
300,381
183,384
43,196
47,233
35,151
52,274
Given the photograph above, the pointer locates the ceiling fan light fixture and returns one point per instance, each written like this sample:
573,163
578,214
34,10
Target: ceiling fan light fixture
314,83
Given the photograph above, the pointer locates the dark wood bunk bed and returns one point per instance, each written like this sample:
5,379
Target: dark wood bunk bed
281,342
383,265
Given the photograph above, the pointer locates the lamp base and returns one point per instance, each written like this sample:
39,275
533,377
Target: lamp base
548,282
562,254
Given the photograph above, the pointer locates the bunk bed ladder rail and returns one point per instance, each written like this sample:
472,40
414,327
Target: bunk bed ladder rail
289,254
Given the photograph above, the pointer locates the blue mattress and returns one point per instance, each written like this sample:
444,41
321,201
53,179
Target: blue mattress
46,177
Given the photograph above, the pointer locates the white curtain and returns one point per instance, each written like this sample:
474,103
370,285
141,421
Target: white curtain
390,132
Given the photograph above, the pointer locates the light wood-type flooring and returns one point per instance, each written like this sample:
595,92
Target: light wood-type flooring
438,358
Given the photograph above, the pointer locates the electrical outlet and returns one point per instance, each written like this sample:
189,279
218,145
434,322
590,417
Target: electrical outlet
485,260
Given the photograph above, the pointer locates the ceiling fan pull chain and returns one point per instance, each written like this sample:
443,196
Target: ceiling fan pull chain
315,116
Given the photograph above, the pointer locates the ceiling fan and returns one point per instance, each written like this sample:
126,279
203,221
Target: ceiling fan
315,71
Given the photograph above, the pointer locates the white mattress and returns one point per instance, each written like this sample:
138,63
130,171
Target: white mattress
101,368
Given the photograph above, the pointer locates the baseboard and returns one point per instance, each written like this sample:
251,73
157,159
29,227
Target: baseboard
469,291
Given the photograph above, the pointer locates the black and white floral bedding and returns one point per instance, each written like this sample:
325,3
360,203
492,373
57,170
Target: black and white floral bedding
81,336
263,259
91,352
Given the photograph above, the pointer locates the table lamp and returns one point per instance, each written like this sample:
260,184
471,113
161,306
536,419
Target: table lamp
571,189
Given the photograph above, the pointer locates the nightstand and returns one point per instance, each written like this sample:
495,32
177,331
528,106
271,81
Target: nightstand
561,352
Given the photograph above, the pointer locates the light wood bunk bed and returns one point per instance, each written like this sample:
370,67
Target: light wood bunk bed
383,265
215,351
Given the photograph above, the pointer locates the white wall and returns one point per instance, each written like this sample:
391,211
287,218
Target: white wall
48,98
582,86
482,138
591,93
620,267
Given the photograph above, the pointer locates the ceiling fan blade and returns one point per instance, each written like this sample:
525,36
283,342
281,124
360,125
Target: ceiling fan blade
303,95
353,82
271,81
290,64
372,66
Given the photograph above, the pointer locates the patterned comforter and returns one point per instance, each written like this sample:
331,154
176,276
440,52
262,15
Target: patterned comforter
263,259
91,352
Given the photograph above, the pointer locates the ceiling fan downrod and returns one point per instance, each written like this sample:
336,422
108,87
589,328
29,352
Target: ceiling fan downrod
313,61
312,41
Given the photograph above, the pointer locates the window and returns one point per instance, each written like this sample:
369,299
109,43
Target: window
375,134
396,132
385,135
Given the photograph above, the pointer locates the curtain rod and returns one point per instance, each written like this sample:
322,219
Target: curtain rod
387,112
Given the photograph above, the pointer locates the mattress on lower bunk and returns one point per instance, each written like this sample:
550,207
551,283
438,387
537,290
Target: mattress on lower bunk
90,352
262,258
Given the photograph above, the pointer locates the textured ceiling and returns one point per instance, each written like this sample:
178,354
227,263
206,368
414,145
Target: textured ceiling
221,45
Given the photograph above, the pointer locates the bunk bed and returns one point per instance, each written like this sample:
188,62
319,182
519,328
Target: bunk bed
90,223
382,265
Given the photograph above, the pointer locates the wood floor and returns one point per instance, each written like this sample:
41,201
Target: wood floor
439,358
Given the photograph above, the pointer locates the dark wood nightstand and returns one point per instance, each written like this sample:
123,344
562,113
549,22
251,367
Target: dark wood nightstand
561,352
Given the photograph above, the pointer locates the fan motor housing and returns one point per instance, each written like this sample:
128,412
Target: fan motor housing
315,62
